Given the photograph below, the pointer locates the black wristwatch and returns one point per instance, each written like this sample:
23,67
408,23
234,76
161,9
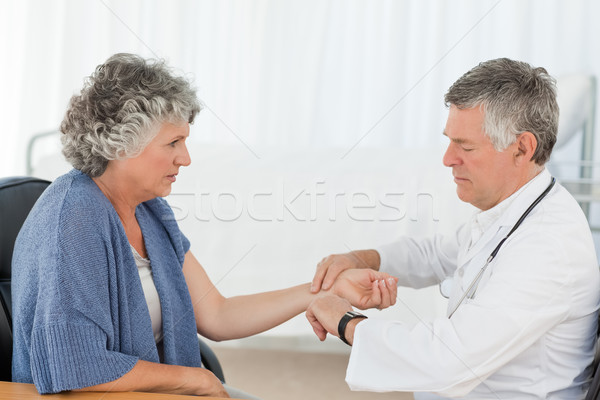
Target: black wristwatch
350,315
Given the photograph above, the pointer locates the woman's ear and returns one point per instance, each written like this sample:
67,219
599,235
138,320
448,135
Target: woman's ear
525,147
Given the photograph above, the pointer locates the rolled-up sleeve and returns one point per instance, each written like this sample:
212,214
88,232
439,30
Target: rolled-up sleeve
423,262
67,356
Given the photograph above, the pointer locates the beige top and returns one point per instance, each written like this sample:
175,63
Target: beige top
151,295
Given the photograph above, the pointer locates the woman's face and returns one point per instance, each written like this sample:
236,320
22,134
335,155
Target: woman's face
152,173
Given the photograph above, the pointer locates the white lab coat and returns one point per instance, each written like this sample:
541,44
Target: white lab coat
529,332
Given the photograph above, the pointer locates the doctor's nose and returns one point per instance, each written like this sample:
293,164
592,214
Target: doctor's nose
451,157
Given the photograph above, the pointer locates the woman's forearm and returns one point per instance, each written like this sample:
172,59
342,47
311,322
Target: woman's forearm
242,316
152,377
220,318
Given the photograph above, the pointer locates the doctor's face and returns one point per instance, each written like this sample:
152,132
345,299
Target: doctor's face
484,177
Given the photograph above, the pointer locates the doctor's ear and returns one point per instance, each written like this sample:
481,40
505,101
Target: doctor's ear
525,147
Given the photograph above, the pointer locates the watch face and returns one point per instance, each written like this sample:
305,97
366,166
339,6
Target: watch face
354,314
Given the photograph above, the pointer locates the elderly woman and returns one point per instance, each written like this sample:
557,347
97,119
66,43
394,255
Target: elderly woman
106,293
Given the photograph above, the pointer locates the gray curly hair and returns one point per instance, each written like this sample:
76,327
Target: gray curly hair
120,110
515,98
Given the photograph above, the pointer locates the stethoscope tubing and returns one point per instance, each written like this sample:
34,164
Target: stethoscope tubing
470,292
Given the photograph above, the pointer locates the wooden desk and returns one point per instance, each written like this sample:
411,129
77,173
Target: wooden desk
25,391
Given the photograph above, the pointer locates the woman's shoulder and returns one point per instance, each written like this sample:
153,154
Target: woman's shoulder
73,194
68,211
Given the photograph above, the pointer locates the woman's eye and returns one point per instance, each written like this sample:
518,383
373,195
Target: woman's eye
172,144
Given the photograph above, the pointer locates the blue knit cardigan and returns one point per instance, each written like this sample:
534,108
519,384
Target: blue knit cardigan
79,313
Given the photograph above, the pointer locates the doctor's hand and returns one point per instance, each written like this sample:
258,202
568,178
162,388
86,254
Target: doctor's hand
331,266
365,288
324,314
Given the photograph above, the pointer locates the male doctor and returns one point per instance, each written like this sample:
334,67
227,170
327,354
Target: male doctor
524,327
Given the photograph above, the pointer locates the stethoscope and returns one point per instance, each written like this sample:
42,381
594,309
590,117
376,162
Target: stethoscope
470,292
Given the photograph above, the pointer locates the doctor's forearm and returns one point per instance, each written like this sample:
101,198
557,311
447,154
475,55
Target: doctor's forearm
350,328
368,258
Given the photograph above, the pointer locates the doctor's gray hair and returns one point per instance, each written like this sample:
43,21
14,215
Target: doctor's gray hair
120,110
515,98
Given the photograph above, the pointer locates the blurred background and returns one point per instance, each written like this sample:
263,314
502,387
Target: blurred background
323,119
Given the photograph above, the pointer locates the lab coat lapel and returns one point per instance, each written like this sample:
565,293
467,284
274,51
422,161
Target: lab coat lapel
507,220
471,260
484,241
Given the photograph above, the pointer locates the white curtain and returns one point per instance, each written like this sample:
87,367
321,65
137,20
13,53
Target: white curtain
345,79
272,73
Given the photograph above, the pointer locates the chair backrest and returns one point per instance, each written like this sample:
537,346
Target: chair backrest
5,344
594,390
17,197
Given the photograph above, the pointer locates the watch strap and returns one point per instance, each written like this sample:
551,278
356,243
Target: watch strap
349,316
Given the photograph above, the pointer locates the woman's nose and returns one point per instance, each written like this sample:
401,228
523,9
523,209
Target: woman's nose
183,158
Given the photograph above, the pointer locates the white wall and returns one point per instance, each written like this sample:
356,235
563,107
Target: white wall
290,74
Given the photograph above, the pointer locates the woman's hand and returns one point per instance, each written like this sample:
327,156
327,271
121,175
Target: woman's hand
209,384
331,266
365,288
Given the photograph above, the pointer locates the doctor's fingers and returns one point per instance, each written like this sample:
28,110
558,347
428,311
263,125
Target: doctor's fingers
329,269
319,330
328,309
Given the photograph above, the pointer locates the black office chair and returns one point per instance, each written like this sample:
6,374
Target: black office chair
17,197
210,360
594,390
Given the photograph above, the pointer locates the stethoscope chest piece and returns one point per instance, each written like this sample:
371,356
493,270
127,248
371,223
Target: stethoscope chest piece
446,287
